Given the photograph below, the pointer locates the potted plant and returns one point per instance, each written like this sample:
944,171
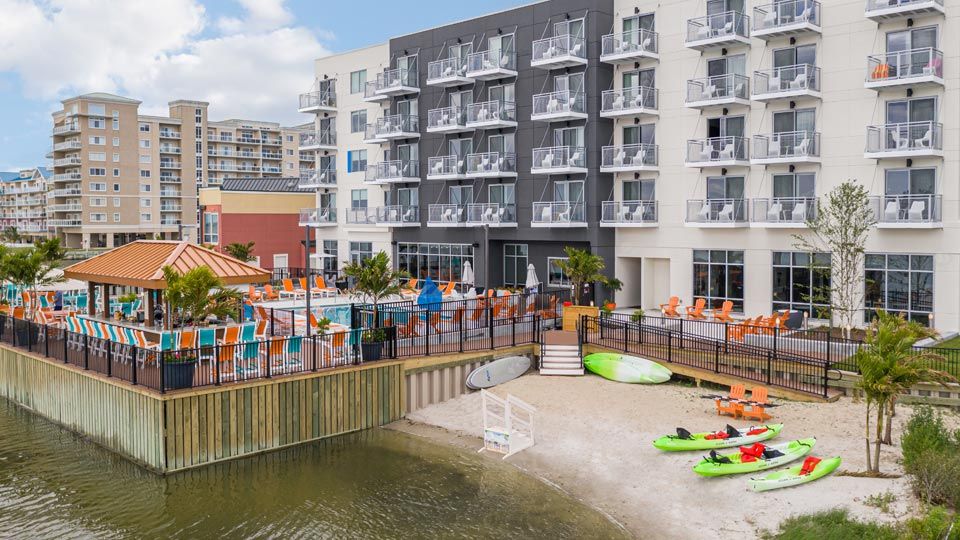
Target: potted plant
637,316
371,343
178,369
607,309
373,280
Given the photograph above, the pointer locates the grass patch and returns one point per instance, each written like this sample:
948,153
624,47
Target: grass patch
882,501
831,525
952,343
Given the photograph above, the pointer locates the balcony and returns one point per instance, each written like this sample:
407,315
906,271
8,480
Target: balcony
361,216
559,160
783,212
171,193
447,120
492,165
916,67
69,207
167,134
67,145
447,168
169,149
170,222
786,147
492,65
493,215
561,214
318,101
370,90
64,192
447,72
398,126
66,177
67,161
630,47
718,152
494,114
370,135
64,129
907,140
447,215
319,140
789,18
398,82
313,179
638,101
718,91
74,222
171,207
908,211
885,10
788,82
629,214
318,217
392,172
629,158
559,52
717,213
397,215
167,164
274,155
170,179
559,107
718,30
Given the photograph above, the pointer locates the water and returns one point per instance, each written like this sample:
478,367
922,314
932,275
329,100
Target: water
377,484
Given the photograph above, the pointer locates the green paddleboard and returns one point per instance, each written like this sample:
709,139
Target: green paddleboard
625,368
792,451
792,477
698,441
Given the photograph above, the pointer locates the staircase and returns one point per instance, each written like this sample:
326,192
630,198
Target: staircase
560,354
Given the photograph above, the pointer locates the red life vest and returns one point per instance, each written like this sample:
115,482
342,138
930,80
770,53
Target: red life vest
751,453
809,465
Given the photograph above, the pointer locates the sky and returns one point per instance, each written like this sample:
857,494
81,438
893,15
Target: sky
248,58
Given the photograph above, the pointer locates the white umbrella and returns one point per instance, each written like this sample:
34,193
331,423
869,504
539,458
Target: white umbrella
467,278
532,281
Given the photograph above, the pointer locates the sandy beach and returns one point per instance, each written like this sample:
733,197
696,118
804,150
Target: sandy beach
593,440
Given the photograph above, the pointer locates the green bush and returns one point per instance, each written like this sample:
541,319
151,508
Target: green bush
931,456
933,526
925,431
832,525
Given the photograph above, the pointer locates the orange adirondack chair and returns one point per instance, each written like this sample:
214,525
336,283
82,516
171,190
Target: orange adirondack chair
758,411
746,327
670,308
696,312
551,311
289,289
269,293
732,408
724,314
410,330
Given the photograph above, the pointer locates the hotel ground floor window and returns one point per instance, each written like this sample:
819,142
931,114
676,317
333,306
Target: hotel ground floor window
515,265
900,284
360,251
440,262
555,275
718,276
801,282
330,264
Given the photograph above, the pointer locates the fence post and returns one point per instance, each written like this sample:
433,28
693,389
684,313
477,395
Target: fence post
716,358
86,351
216,364
829,333
46,341
681,332
582,329
315,352
428,333
272,319
163,389
776,338
826,379
769,366
109,358
514,331
269,356
66,349
133,349
726,337
669,346
490,324
461,331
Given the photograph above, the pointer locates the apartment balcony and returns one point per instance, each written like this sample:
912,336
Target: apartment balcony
170,150
908,211
788,82
170,221
167,164
66,177
69,207
491,65
559,52
314,179
494,114
64,192
398,82
172,193
886,10
493,215
492,165
318,101
717,213
370,91
559,107
167,134
784,19
451,167
448,72
370,135
907,140
393,172
318,217
447,215
64,129
718,91
913,68
319,140
67,161
560,215
74,222
271,155
639,101
397,215
786,147
170,179
308,156
272,141
171,207
361,216
249,139
67,145
630,47
398,126
718,152
718,30
629,214
783,212
224,138
559,160
629,158
447,120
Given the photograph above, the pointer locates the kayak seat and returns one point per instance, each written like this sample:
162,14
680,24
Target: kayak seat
717,458
684,434
771,453
757,431
732,431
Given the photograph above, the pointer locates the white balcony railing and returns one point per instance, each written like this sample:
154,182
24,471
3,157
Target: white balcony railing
316,217
67,145
628,213
323,178
361,216
66,177
447,72
786,81
167,134
447,215
447,119
559,51
786,146
492,164
450,167
398,126
905,67
63,129
318,139
71,222
492,214
399,81
718,29
67,161
718,90
492,64
905,139
559,159
717,151
629,157
717,211
786,17
492,114
632,101
629,46
784,210
559,214
393,171
880,10
564,105
907,210
320,99
397,215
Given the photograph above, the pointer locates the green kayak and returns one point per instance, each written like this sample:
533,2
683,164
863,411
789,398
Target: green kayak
789,451
698,441
625,368
792,477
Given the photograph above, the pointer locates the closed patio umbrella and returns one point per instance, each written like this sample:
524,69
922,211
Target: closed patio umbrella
467,278
533,283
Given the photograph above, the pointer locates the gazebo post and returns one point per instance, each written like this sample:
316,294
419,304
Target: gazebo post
106,301
91,298
148,316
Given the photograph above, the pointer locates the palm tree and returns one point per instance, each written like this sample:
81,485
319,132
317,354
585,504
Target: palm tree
240,251
32,267
889,365
581,267
199,293
373,280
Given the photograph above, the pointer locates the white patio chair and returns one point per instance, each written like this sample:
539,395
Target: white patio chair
438,167
773,84
575,51
773,214
637,214
892,211
485,163
802,149
709,92
447,215
564,216
640,158
487,215
574,160
704,213
726,153
501,214
770,19
618,159
899,143
408,216
706,153
618,102
924,142
546,215
799,211
800,82
645,44
773,147
547,161
916,210
553,105
726,213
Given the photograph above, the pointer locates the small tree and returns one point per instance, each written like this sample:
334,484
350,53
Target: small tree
240,251
582,267
33,267
10,234
199,293
373,280
841,227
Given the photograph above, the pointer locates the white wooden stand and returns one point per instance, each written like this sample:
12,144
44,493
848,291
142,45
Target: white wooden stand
507,424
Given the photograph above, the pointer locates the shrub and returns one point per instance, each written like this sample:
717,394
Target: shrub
935,477
831,525
924,431
933,526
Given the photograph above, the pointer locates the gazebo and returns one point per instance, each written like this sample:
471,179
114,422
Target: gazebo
140,264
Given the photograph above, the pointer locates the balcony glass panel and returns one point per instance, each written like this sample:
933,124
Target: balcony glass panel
399,214
633,42
323,98
717,149
629,155
395,78
489,111
393,170
318,216
628,212
730,23
784,209
491,213
787,79
637,97
925,62
558,46
717,211
905,137
362,216
446,117
718,88
559,102
445,68
491,60
794,144
446,165
447,214
906,209
557,213
491,162
398,124
558,157
786,13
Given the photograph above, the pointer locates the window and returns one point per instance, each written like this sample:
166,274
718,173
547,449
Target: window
515,265
358,121
144,143
802,283
116,172
555,275
116,201
145,203
116,157
146,217
145,159
358,80
289,151
116,141
96,109
144,127
98,186
910,195
211,228
96,156
116,187
116,218
718,276
98,218
440,262
98,140
144,188
899,284
98,201
356,161
96,123
94,171
358,198
116,120
144,174
360,251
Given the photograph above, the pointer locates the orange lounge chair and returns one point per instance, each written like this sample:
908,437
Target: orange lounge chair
321,287
724,313
411,329
448,289
268,293
670,308
757,411
882,71
410,288
696,311
289,290
729,407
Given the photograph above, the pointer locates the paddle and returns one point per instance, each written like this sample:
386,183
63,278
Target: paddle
733,400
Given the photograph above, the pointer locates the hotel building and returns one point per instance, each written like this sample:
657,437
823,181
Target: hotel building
23,203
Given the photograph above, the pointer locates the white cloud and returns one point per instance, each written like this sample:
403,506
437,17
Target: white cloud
157,51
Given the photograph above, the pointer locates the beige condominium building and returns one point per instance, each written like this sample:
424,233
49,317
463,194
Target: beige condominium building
23,203
733,119
119,176
344,200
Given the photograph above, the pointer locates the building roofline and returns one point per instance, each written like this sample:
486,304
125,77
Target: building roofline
528,4
356,50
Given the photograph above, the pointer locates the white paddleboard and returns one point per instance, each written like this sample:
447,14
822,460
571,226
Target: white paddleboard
498,372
